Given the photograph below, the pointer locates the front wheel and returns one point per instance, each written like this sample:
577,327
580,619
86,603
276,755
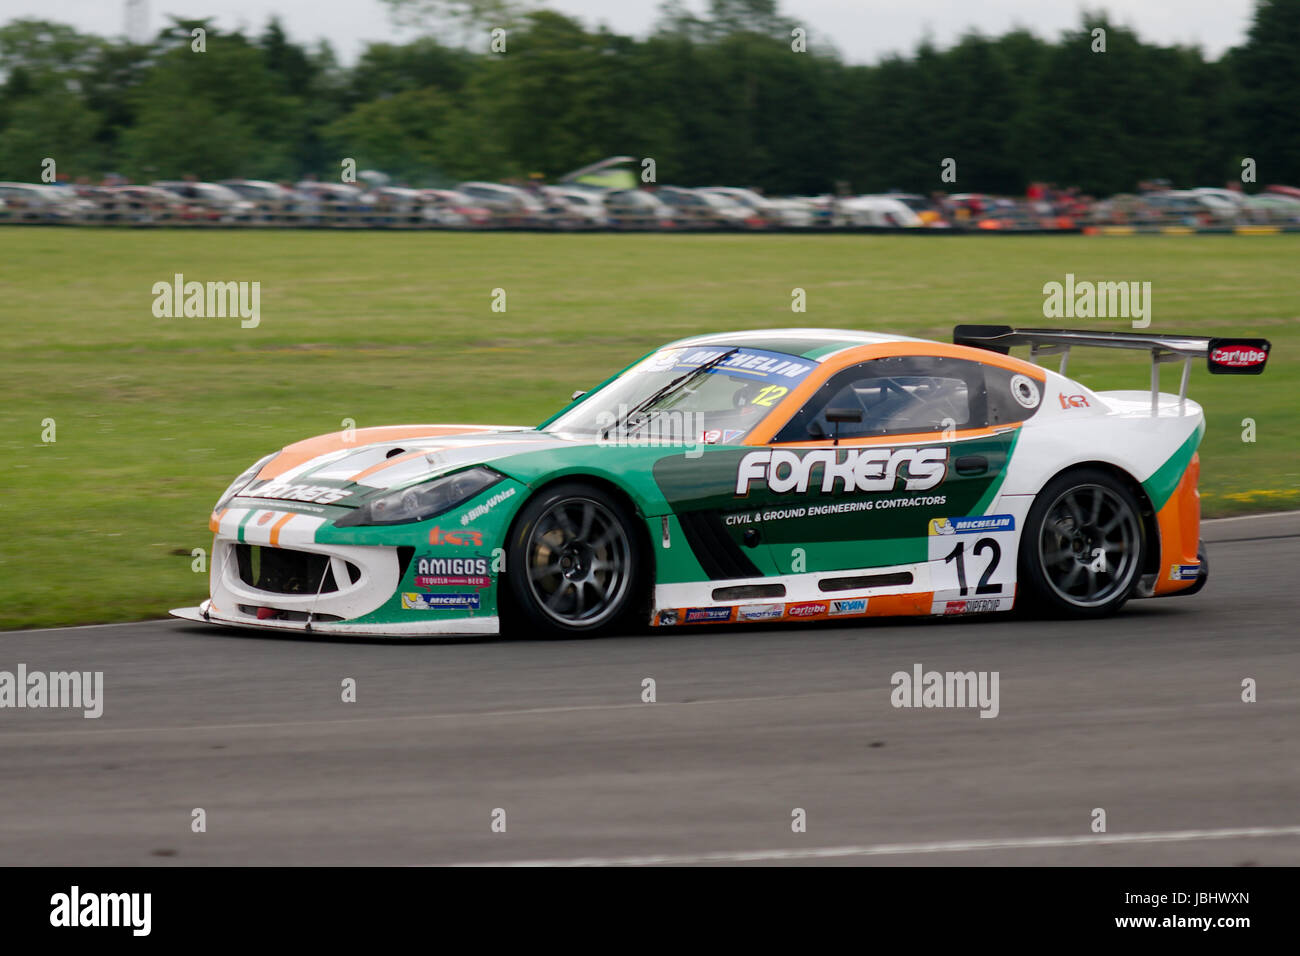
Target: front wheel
1081,551
573,566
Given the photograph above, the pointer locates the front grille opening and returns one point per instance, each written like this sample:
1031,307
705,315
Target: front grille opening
285,571
280,614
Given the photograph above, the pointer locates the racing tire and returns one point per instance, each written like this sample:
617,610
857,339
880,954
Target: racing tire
574,564
1082,546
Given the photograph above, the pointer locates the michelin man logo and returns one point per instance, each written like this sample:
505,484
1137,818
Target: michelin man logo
942,526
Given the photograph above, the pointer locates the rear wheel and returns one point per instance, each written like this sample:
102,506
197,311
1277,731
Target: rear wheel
1081,551
574,562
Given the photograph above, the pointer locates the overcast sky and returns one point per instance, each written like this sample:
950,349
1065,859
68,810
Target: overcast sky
862,30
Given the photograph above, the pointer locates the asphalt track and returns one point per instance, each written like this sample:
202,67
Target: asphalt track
1140,715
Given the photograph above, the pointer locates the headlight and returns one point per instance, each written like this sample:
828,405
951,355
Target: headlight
422,501
241,482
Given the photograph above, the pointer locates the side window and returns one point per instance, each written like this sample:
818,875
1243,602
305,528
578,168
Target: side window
1013,396
895,396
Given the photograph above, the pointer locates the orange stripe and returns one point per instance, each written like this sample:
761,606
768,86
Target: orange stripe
275,528
1180,527
387,462
900,605
900,439
412,454
214,523
774,422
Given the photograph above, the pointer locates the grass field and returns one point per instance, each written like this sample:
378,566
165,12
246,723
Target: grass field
154,417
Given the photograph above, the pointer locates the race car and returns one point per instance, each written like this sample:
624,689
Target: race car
774,475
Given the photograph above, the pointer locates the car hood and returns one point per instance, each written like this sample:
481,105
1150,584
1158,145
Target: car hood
366,461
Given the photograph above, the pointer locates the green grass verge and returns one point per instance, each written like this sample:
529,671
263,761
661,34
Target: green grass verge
155,416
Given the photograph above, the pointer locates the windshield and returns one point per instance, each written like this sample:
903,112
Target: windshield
717,407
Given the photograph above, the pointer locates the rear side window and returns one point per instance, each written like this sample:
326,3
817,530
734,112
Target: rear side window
901,395
1013,396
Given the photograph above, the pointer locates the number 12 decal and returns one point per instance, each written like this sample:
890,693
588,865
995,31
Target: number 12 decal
769,394
959,556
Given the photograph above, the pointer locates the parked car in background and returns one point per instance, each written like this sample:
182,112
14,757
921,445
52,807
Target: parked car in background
694,208
454,210
336,203
396,205
145,204
1171,207
924,207
41,202
273,201
258,190
784,213
211,201
1212,202
576,208
638,209
875,211
510,205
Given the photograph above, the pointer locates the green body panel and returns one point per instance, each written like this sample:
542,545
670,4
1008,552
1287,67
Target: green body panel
1161,485
677,563
490,527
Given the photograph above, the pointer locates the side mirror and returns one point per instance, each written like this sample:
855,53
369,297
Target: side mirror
837,416
577,395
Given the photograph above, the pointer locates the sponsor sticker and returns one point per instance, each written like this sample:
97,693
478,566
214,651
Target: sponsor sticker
439,602
972,606
455,538
760,612
848,606
980,524
477,567
807,609
1238,356
321,494
756,364
1184,572
845,470
479,511
452,581
700,615
668,618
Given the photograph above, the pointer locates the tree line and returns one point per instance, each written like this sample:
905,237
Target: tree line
726,97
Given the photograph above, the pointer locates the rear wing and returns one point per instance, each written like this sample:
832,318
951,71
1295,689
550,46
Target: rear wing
1223,356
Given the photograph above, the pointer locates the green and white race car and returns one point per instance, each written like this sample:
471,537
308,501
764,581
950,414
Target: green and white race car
795,474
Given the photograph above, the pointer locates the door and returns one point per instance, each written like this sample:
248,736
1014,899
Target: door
882,466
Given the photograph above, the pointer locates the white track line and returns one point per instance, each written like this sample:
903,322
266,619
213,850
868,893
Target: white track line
1270,514
907,849
86,627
